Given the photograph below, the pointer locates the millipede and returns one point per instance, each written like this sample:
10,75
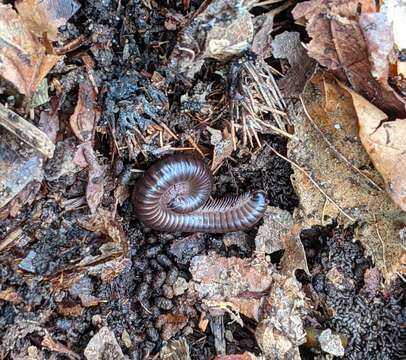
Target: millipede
174,195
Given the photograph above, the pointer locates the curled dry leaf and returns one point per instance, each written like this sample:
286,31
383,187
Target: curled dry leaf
220,30
280,330
242,283
45,16
84,119
330,136
338,43
85,156
23,60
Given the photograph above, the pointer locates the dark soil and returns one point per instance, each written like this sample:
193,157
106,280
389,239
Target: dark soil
128,43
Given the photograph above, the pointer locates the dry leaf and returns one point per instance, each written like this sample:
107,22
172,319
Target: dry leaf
220,30
288,46
351,182
73,311
169,324
45,16
23,60
338,43
103,345
19,167
57,347
95,185
105,222
395,10
84,119
279,232
240,283
386,145
10,295
49,123
261,43
280,330
378,36
175,349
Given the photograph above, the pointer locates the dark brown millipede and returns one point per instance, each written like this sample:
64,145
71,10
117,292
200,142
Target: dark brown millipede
173,195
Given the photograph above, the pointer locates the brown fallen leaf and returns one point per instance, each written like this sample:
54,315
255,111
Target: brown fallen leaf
170,324
105,222
374,27
372,283
385,143
338,43
59,348
10,295
23,60
84,119
261,43
45,16
85,156
232,282
288,46
49,123
280,330
278,232
328,136
74,311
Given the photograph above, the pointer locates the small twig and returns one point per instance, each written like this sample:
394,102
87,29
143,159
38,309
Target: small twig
195,146
313,181
11,238
265,2
332,147
26,131
381,240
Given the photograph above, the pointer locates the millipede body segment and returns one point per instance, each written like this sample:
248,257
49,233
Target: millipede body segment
173,195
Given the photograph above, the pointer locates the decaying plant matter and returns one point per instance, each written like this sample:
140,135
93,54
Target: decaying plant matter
256,104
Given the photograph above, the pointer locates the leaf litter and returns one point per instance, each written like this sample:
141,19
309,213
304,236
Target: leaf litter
139,80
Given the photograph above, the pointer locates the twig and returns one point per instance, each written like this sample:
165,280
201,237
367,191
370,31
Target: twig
381,240
313,181
26,131
332,147
11,238
195,146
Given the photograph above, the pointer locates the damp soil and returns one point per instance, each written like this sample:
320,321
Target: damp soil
129,42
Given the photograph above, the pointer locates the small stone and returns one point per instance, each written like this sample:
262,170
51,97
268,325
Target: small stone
180,286
331,343
125,336
229,336
26,264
